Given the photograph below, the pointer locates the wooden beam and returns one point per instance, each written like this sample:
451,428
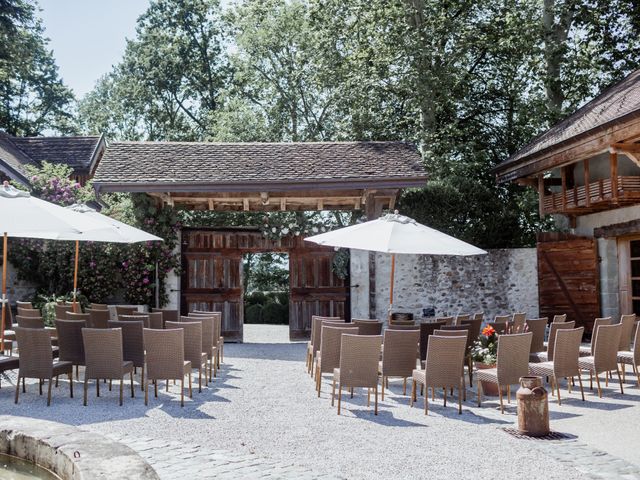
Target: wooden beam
283,204
563,176
587,179
633,156
212,205
392,204
245,204
320,204
541,194
625,147
358,204
613,165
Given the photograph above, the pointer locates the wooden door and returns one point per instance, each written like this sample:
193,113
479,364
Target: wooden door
629,275
568,278
212,281
314,290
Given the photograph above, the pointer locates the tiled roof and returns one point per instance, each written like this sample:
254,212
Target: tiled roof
611,105
77,152
12,156
242,163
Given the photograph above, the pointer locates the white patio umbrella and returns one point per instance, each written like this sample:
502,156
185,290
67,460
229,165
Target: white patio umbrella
24,216
395,234
113,231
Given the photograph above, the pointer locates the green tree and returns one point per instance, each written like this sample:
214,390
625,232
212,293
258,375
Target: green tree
33,98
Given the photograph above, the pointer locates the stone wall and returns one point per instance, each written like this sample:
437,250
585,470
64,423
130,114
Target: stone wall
501,282
18,290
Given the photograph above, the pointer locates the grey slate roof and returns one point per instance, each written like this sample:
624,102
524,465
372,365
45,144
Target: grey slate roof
77,152
243,163
612,105
12,156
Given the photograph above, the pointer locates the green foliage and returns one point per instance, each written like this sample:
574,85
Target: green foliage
275,314
46,304
253,313
33,97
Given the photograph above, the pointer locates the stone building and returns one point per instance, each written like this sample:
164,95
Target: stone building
586,170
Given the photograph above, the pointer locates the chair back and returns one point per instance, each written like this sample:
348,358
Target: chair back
217,323
567,352
560,318
513,357
98,318
168,314
479,316
597,323
78,316
208,330
446,320
412,326
330,343
368,327
132,340
103,352
30,322
519,320
27,305
499,327
359,356
461,318
34,345
399,354
502,319
165,353
61,310
553,329
28,312
474,326
192,340
98,306
636,346
317,329
426,330
605,349
445,360
455,330
156,320
628,322
401,322
537,326
140,317
70,343
126,310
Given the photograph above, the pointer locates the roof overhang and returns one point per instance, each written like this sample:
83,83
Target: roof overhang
577,148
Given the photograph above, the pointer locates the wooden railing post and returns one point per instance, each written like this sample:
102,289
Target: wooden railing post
563,176
587,189
613,163
541,194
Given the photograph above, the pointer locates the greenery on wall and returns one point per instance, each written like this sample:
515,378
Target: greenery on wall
105,270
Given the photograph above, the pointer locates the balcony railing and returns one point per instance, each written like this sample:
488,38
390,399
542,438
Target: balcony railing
598,196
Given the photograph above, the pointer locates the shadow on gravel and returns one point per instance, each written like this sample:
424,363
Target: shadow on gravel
383,418
267,351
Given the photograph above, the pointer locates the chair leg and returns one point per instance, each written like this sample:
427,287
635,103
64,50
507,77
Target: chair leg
479,392
636,370
155,388
558,390
470,368
461,387
133,395
590,380
182,391
142,378
318,381
501,400
598,383
382,391
375,409
333,391
190,389
351,392
569,382
146,391
619,379
404,386
40,386
17,389
581,389
71,383
368,397
339,396
121,389
97,387
624,372
606,378
445,396
413,393
86,387
24,387
49,385
426,402
200,379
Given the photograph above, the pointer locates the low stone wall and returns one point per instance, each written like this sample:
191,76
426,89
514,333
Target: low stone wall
503,281
69,452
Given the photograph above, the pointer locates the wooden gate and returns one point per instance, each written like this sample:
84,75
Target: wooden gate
212,278
568,278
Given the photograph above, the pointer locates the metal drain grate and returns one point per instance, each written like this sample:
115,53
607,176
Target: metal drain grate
551,436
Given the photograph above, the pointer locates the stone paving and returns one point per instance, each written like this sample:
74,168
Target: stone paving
171,459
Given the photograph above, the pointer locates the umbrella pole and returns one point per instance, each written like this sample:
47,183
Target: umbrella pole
75,275
4,289
393,274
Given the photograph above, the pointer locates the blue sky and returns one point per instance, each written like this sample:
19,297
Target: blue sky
89,36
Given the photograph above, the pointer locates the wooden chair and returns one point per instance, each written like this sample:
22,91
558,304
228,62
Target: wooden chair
560,318
628,326
518,322
359,356
461,318
165,360
316,331
132,344
502,319
105,360
368,327
587,350
446,320
156,320
445,361
537,326
548,355
209,347
512,363
8,363
36,360
168,314
426,330
70,342
218,341
218,319
61,310
193,346
565,360
140,317
474,326
27,305
78,316
30,322
631,357
398,356
28,312
99,306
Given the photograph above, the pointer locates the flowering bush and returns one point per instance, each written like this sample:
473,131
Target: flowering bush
485,349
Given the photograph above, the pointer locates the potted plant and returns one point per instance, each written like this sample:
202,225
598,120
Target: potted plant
484,354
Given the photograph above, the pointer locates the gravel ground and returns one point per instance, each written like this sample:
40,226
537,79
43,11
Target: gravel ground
264,403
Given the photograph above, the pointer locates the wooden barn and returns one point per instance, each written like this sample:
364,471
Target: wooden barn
586,170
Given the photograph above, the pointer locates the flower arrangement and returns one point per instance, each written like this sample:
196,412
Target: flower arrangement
485,349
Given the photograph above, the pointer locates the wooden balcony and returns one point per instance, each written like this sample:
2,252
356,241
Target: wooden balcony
595,196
